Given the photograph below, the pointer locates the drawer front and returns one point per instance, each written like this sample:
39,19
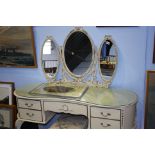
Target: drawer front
106,113
28,114
30,104
66,108
99,123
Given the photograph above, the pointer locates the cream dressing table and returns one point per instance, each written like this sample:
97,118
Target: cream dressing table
78,92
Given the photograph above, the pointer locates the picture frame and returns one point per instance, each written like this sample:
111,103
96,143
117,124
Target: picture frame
7,116
149,121
6,93
17,47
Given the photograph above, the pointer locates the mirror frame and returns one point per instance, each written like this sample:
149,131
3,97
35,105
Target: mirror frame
106,82
72,75
52,78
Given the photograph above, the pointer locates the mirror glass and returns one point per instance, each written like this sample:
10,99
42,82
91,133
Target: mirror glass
78,53
108,58
50,57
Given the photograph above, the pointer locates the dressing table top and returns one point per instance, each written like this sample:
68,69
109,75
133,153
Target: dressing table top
92,95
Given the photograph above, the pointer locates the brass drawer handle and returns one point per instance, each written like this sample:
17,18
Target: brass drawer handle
107,125
30,115
29,105
105,115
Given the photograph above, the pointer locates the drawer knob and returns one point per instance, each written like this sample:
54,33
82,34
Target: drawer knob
105,115
107,125
29,105
30,115
65,107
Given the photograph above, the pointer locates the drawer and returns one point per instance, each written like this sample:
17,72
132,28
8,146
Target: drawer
28,114
99,123
30,104
66,108
106,113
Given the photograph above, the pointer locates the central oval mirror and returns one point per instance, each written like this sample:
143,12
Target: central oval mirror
78,52
50,58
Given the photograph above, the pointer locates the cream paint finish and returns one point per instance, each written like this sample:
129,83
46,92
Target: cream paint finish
33,104
104,108
97,123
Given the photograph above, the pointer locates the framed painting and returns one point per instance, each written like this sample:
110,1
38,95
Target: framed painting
17,47
150,100
7,116
6,93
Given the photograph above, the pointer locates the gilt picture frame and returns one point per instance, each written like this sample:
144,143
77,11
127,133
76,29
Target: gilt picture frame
6,93
7,116
17,49
149,122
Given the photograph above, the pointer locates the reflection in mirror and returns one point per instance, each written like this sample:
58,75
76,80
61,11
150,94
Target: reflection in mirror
108,58
58,89
50,57
78,53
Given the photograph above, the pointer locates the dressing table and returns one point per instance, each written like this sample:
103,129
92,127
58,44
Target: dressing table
83,87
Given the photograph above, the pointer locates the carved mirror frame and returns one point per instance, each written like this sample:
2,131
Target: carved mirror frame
50,78
89,71
105,83
90,75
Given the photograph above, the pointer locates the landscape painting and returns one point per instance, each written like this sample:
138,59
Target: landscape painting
17,47
7,116
150,100
6,93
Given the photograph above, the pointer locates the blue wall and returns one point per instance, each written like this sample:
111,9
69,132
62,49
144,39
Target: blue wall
134,43
150,47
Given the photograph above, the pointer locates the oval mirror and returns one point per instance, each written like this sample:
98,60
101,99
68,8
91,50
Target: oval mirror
78,53
50,58
108,58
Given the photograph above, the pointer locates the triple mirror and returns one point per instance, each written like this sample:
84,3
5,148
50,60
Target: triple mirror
79,58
